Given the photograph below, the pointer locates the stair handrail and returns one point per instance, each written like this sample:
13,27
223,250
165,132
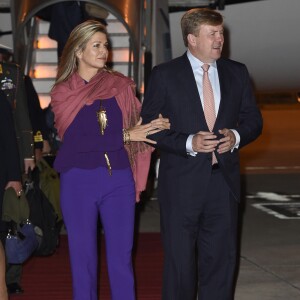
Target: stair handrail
128,12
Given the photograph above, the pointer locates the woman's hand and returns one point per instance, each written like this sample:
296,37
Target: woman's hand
139,132
161,123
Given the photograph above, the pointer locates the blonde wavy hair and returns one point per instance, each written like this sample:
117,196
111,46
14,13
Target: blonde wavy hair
77,41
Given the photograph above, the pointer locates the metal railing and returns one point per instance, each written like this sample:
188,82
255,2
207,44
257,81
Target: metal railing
129,12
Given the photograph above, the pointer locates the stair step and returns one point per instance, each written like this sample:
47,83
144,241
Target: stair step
44,42
122,68
119,41
43,85
45,56
43,27
110,17
44,100
45,71
120,55
115,27
116,39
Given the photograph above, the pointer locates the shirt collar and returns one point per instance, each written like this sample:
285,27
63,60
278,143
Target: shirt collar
195,62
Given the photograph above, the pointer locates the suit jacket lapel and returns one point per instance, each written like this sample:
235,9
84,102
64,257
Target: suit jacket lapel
189,84
224,85
188,79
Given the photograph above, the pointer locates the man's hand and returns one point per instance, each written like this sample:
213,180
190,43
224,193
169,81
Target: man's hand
38,154
16,185
204,141
29,163
46,147
227,142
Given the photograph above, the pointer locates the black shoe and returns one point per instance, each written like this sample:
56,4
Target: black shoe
14,288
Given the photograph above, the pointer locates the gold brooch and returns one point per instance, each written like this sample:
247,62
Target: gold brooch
102,118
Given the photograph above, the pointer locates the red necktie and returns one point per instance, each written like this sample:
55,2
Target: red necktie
209,103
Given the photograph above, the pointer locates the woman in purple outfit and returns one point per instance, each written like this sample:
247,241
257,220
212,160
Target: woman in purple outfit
103,161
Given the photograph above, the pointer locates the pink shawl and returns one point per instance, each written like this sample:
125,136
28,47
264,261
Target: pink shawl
67,99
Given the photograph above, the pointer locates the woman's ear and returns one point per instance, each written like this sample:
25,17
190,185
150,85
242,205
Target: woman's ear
78,53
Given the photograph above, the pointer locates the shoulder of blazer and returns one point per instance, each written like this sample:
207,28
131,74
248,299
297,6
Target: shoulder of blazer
9,66
179,63
11,71
228,68
229,63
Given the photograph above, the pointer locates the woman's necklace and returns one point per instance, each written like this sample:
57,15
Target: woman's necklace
102,118
103,123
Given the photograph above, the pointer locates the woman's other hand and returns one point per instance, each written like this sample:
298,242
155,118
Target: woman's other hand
139,133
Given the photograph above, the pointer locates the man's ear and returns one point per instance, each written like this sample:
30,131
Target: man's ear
191,39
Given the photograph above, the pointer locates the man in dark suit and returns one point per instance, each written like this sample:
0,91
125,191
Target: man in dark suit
10,171
13,86
38,120
66,15
199,176
24,93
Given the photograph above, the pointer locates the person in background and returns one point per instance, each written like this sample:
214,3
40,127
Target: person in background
65,15
213,114
10,174
36,114
38,121
13,86
102,161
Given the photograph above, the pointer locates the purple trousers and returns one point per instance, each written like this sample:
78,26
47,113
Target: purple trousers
86,195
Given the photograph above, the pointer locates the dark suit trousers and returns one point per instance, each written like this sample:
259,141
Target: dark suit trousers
199,237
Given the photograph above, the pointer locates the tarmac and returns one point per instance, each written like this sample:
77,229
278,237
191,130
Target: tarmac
269,266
